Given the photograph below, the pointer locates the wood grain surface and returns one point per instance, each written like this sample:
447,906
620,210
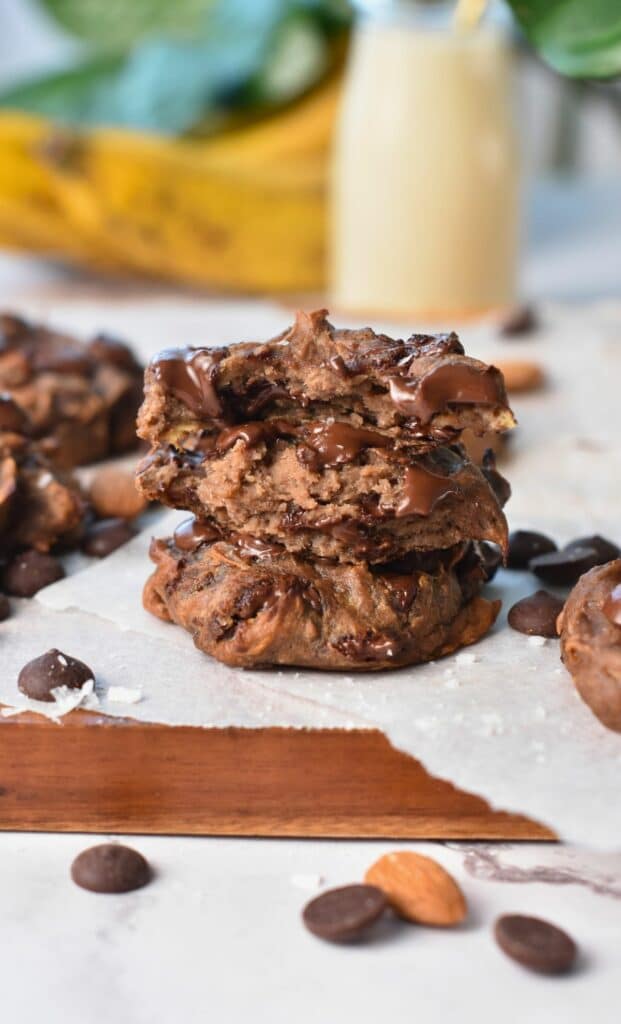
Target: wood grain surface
99,774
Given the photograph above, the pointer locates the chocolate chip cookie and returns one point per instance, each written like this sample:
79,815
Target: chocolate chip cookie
78,400
590,628
250,604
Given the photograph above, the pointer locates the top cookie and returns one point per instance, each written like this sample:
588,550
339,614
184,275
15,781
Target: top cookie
79,401
425,387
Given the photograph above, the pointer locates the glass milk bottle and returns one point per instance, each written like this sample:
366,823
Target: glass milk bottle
425,178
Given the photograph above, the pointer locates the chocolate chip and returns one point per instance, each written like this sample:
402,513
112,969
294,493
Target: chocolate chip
605,550
40,676
106,349
525,545
341,915
104,537
519,320
497,482
536,615
110,867
535,943
29,572
563,568
5,607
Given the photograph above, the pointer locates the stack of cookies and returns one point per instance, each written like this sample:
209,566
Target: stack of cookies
337,521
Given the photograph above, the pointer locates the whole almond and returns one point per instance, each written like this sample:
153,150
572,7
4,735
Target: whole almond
113,494
521,374
418,888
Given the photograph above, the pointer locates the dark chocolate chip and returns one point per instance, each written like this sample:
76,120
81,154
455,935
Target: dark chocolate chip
341,915
605,550
5,607
104,537
536,615
525,545
29,572
106,349
40,676
110,867
536,944
519,320
563,568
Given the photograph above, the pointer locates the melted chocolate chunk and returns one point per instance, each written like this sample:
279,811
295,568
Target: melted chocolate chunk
369,647
336,443
497,482
402,589
422,490
189,375
252,547
193,532
612,606
446,385
251,434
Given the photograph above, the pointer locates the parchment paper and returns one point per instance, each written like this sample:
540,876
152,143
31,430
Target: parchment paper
501,719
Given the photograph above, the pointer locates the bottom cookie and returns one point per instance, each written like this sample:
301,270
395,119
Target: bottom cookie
252,605
590,628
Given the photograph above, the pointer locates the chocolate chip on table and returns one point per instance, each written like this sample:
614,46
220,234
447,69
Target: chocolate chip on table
40,676
605,550
525,545
344,914
110,867
536,615
104,537
5,607
29,572
519,320
563,568
535,943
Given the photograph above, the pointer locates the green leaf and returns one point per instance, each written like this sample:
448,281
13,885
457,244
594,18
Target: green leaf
116,24
79,95
578,38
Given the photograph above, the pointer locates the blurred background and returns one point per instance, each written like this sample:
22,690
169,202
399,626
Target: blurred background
196,141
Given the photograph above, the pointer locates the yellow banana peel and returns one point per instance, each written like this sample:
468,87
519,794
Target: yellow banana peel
244,211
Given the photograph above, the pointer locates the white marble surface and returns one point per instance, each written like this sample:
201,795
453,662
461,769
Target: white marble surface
217,936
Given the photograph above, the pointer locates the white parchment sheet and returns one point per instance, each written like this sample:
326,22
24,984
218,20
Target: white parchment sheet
502,718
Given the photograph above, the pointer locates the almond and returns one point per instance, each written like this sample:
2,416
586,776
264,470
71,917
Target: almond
418,888
521,374
113,494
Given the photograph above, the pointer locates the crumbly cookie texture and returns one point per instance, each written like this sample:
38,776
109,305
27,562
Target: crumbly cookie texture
252,605
78,400
425,386
590,629
40,506
356,500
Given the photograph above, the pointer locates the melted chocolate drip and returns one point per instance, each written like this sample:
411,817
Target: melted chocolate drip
252,547
612,606
445,385
193,532
189,375
422,490
335,443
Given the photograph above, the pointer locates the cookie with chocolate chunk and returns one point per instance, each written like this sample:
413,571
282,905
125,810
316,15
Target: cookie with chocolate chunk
40,506
328,489
426,386
590,629
251,604
79,401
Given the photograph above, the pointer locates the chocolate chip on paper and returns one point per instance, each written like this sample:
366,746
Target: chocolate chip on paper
519,321
535,943
29,572
563,568
110,868
106,536
605,550
40,676
525,545
536,614
344,914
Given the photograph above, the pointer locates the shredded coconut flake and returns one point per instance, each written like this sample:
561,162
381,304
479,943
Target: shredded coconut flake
65,700
537,641
466,658
123,695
